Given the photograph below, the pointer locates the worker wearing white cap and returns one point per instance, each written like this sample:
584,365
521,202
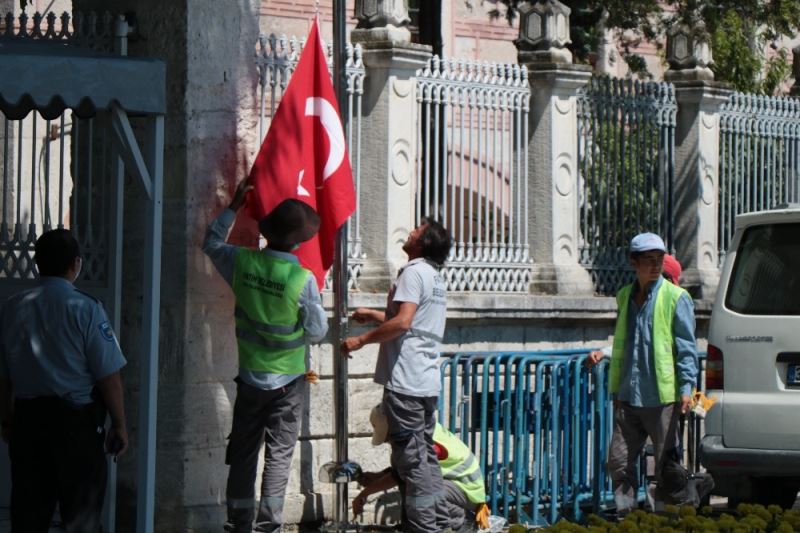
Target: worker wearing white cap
653,368
464,485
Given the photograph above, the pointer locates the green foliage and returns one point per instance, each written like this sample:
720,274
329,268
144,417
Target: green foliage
751,519
739,32
737,43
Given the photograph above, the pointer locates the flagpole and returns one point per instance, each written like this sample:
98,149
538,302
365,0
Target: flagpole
340,370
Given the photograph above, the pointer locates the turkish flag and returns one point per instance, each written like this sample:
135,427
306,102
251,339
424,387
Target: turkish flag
304,156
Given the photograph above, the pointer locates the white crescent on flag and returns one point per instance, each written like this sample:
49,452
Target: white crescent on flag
320,107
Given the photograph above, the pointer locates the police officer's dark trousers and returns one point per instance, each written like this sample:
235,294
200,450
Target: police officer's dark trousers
57,456
411,424
272,417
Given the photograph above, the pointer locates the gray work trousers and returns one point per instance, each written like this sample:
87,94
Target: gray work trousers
455,505
632,426
411,423
272,417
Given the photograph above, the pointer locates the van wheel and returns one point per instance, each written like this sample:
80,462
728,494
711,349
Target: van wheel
771,491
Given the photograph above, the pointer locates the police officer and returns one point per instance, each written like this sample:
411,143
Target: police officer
60,362
278,312
464,486
410,336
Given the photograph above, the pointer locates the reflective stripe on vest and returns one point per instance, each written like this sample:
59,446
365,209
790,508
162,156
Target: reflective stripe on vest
663,346
460,466
269,333
266,328
270,344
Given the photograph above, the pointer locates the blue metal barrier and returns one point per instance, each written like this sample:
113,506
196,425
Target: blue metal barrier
540,424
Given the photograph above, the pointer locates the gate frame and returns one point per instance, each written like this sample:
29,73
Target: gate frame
50,85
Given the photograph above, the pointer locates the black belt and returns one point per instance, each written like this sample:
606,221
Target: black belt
54,406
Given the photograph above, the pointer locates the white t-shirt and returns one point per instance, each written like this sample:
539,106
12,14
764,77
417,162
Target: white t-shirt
409,363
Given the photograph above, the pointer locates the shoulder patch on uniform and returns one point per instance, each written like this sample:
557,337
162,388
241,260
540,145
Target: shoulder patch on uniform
106,331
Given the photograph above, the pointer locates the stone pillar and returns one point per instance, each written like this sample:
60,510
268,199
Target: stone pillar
696,185
552,148
795,90
388,134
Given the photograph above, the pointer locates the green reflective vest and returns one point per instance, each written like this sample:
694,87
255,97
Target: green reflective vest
663,346
269,332
460,466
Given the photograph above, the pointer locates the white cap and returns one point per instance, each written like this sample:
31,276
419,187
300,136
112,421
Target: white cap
380,425
645,242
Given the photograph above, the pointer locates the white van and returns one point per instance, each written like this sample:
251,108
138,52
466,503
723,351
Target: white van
752,435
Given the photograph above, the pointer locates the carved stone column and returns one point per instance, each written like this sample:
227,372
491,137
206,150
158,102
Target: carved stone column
382,20
388,134
696,186
688,54
795,90
553,148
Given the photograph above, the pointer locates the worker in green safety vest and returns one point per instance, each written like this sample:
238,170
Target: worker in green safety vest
278,313
464,493
653,370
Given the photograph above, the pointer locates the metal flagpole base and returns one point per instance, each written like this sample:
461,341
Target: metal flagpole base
340,474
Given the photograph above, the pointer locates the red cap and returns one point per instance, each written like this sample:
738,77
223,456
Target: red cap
672,269
441,451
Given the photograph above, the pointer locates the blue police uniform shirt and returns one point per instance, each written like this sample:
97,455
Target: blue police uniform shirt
56,341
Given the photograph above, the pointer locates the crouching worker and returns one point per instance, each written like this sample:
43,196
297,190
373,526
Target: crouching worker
464,498
278,312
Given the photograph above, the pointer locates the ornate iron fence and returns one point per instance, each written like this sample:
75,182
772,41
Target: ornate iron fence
58,173
759,159
472,170
94,31
626,141
276,59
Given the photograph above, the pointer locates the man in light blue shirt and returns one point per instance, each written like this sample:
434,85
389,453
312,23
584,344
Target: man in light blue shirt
653,370
410,333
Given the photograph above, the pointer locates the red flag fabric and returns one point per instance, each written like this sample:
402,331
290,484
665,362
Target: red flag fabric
304,156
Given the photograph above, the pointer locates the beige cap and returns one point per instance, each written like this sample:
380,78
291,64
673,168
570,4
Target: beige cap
380,425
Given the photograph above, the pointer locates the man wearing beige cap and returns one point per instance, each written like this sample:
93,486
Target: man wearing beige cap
278,312
652,371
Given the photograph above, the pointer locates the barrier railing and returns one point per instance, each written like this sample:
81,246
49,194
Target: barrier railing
540,424
759,158
626,160
472,169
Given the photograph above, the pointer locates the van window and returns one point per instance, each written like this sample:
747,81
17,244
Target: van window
766,275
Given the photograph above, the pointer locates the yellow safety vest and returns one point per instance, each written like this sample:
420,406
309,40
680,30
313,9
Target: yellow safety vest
269,333
460,466
663,346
